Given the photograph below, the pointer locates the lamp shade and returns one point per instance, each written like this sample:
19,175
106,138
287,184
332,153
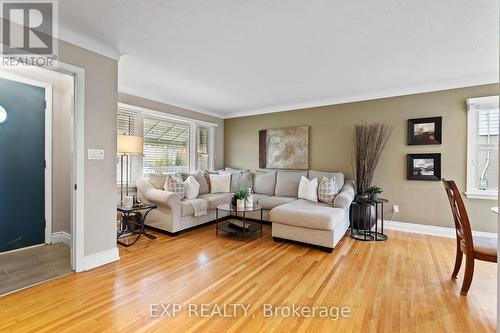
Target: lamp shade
129,144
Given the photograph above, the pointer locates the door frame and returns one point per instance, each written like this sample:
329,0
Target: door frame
48,146
77,256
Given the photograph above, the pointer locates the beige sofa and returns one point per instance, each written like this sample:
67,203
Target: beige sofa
293,219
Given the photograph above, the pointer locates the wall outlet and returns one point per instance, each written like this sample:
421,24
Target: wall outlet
395,208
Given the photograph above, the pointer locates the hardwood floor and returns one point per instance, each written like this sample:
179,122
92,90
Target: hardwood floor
402,285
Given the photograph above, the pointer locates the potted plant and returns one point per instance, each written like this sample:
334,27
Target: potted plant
241,195
369,141
373,192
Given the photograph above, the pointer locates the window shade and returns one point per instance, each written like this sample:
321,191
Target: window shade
129,123
488,122
166,146
203,150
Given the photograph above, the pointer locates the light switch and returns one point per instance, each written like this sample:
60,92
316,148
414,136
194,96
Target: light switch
96,154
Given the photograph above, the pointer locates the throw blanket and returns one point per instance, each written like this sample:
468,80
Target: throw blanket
200,207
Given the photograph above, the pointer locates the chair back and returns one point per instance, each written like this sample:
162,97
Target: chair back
460,217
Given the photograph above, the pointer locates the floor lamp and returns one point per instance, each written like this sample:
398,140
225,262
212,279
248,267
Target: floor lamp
126,145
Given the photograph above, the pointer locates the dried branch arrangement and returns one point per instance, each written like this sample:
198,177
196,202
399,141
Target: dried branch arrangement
369,141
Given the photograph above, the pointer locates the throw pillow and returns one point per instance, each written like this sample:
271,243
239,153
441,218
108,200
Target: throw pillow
327,190
172,185
308,189
157,180
241,180
200,178
220,183
192,188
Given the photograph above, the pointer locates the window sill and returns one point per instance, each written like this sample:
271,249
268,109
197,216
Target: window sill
485,195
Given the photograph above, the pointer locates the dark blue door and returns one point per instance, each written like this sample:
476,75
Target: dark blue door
22,166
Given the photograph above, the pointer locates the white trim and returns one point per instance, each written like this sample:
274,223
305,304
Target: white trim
87,43
61,237
48,145
429,229
486,195
161,114
480,103
101,258
400,91
78,169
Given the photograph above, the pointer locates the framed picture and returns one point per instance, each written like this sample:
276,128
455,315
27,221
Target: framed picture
424,131
424,167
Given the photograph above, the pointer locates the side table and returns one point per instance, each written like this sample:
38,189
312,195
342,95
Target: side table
361,211
144,209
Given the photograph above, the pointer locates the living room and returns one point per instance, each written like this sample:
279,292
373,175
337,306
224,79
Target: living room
264,166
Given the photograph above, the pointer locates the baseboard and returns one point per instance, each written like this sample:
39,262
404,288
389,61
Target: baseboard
429,229
101,258
61,237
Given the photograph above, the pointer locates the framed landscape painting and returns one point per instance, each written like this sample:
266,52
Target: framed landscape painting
424,167
425,131
284,148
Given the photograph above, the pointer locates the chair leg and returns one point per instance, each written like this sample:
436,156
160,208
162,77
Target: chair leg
458,262
469,272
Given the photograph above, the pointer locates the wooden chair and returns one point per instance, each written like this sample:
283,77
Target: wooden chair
474,247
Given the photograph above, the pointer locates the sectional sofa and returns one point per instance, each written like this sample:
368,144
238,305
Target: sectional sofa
293,219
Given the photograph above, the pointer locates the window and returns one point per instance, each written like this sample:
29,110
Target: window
482,147
171,143
166,146
204,156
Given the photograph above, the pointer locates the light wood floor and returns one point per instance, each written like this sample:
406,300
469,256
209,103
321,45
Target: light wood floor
402,285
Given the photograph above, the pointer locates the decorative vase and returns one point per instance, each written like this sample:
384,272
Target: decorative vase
373,196
249,201
240,204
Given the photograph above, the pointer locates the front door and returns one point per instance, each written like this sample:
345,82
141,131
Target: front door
22,166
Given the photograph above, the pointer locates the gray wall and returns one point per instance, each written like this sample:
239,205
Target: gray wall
101,98
330,149
157,106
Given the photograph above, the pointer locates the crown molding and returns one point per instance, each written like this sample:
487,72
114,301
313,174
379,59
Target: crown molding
88,43
403,91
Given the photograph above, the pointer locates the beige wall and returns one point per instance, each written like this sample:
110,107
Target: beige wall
157,106
331,149
101,98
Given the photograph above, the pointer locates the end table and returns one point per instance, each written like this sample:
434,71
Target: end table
144,209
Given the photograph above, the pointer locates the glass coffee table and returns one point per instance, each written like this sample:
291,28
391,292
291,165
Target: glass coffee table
238,227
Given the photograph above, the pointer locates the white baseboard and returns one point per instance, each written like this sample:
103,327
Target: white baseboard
101,258
429,229
61,237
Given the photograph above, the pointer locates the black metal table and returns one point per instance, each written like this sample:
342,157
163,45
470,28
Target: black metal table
249,226
361,212
144,209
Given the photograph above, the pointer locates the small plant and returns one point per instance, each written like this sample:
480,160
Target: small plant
241,193
374,189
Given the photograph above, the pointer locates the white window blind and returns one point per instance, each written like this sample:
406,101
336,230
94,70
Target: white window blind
166,146
203,149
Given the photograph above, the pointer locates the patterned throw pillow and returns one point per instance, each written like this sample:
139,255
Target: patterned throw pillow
327,190
172,185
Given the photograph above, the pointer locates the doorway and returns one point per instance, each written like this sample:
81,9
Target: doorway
36,176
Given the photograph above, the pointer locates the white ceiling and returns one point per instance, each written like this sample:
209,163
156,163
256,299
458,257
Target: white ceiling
236,57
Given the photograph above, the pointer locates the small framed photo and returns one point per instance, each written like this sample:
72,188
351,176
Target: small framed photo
424,131
424,167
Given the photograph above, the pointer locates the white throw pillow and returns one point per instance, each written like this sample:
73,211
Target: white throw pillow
220,183
308,189
192,188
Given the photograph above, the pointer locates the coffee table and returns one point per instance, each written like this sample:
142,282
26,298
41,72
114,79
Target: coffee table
248,226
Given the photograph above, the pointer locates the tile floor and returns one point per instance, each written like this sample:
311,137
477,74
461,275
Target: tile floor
31,266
